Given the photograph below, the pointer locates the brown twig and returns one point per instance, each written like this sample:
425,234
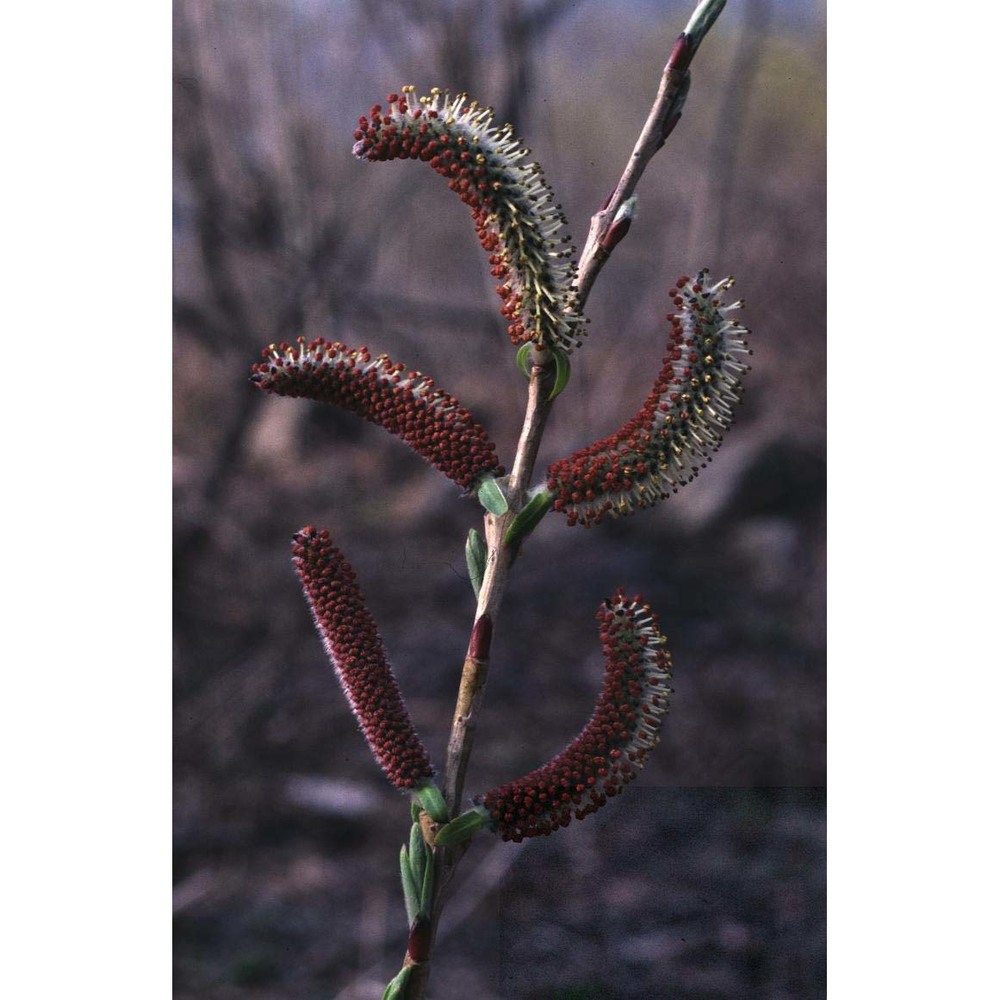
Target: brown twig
498,560
662,118
476,666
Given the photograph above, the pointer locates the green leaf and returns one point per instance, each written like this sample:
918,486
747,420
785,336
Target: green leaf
524,358
427,889
395,989
491,496
562,371
528,518
461,828
411,893
432,801
475,559
418,854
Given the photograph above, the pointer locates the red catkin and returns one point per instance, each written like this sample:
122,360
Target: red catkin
512,205
355,649
406,404
680,424
612,747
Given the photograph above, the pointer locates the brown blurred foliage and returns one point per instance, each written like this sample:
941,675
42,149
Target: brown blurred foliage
285,833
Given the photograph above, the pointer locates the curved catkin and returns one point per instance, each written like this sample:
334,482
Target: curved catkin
679,426
511,204
355,649
406,404
613,746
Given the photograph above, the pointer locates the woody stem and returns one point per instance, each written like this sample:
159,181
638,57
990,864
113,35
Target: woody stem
498,560
651,138
476,666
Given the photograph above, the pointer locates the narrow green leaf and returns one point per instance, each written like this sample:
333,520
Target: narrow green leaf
475,559
418,854
395,989
562,371
427,888
432,801
528,518
461,828
411,888
491,496
524,358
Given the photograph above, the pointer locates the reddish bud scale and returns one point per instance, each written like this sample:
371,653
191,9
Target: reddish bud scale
613,746
681,54
482,638
616,234
405,403
681,423
355,649
418,945
511,204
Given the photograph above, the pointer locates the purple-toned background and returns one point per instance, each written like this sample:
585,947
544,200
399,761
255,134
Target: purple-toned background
707,878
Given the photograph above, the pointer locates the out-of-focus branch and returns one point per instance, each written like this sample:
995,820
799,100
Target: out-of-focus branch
523,29
714,192
248,164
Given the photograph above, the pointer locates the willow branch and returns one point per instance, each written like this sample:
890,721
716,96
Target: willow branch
607,227
498,560
475,669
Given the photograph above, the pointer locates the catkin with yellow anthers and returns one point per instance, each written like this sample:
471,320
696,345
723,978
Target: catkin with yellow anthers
512,205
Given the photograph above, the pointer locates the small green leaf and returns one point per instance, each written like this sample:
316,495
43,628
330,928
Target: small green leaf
475,559
461,828
432,801
562,371
411,893
395,989
418,854
528,518
491,496
427,889
524,358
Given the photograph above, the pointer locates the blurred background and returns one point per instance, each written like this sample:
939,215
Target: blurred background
707,878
